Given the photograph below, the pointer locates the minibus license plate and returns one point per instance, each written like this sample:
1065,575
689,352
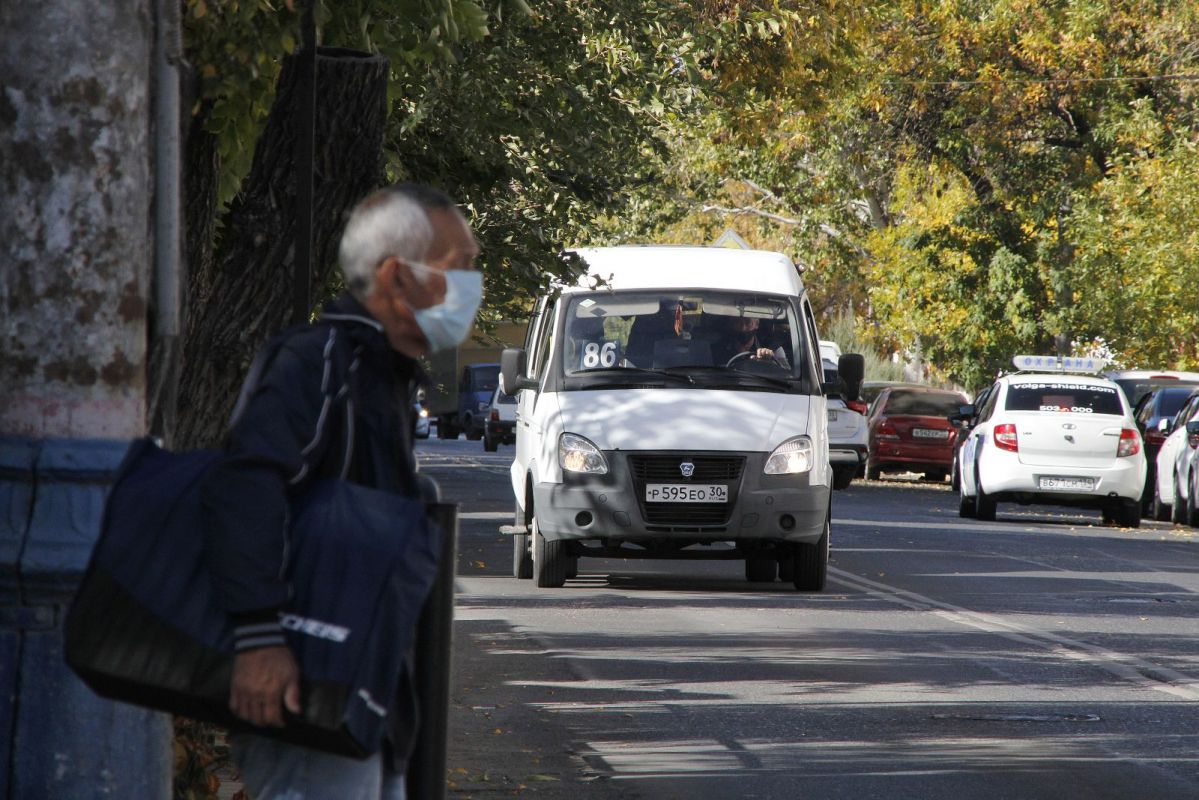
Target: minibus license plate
686,493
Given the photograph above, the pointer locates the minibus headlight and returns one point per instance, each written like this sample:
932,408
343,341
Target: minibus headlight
791,457
576,454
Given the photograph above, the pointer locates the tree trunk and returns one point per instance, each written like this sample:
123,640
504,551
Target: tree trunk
243,295
75,214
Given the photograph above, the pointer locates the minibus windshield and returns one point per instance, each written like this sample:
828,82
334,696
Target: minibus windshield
716,338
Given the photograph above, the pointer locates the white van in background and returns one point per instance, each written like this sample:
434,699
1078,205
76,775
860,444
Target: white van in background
674,410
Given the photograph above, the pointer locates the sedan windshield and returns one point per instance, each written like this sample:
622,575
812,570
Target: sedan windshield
696,338
1063,397
923,404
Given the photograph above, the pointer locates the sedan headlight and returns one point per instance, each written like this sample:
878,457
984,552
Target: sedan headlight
576,454
791,457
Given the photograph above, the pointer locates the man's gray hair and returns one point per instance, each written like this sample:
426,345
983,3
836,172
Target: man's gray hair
390,222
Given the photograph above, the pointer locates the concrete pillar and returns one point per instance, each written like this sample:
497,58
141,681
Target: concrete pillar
76,177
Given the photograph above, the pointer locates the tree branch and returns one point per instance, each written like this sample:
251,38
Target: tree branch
749,210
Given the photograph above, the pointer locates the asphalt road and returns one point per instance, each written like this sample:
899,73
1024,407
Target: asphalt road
1039,656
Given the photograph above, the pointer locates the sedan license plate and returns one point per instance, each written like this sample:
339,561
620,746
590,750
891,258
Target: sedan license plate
686,493
929,433
1058,484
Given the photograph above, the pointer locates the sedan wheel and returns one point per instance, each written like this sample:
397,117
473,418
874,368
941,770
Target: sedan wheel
984,506
843,476
1127,514
1161,511
1178,512
965,504
1192,515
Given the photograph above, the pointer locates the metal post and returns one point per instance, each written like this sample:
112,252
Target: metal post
426,778
62,740
305,155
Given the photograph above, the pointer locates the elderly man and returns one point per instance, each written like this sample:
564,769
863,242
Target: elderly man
333,401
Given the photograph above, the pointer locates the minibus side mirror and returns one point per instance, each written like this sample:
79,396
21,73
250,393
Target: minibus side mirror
852,369
513,371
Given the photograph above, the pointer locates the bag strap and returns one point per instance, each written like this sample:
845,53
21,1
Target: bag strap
336,384
262,359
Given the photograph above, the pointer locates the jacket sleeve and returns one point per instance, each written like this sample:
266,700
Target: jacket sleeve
277,440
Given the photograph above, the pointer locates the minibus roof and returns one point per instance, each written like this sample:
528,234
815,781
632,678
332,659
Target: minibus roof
681,267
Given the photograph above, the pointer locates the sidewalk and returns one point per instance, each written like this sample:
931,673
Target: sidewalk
500,744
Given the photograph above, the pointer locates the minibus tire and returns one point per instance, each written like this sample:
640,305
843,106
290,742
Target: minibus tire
549,560
811,563
787,566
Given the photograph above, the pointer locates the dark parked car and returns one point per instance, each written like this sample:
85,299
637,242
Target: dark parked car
1153,414
910,431
872,389
1136,383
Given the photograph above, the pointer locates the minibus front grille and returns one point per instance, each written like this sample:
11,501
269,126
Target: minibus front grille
669,468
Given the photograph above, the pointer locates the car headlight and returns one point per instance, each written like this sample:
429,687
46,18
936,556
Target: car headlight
483,406
424,412
576,454
791,457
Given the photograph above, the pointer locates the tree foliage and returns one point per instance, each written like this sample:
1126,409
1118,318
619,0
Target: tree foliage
956,170
543,128
967,177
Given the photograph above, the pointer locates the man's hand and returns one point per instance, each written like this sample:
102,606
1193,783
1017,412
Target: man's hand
264,680
763,353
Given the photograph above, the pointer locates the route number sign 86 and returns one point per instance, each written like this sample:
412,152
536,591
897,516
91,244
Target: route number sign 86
599,354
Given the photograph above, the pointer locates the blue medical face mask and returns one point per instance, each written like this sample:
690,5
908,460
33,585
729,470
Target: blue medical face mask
446,325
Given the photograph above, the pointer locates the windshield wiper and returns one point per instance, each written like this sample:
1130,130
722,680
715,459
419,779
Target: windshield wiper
736,376
631,372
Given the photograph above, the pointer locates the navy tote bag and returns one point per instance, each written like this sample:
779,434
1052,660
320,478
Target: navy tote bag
145,628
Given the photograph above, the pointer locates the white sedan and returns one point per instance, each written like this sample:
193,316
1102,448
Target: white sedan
1055,438
1173,462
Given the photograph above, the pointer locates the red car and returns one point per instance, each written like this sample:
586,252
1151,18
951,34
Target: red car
910,431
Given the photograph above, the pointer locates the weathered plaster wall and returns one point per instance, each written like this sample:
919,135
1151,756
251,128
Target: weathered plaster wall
75,199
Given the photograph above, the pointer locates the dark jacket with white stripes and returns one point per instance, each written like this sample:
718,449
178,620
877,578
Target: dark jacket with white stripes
333,400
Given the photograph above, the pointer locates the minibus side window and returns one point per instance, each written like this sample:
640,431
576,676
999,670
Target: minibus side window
812,358
541,343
